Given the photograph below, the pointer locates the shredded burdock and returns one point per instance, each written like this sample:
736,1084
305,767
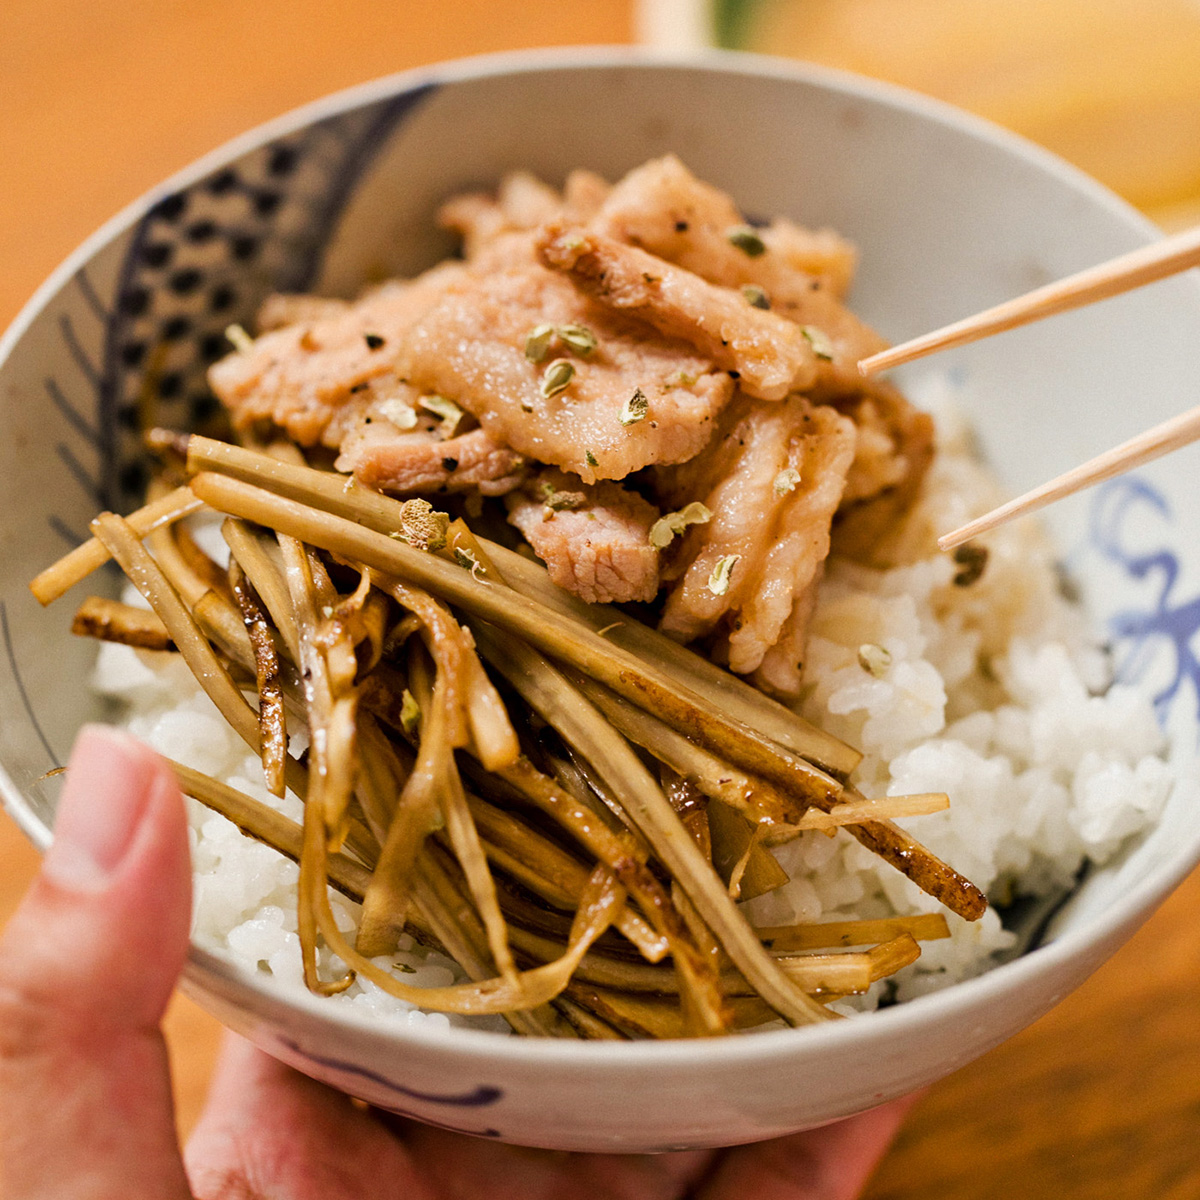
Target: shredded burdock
561,907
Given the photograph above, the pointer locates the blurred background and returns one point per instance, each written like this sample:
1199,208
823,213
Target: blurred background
100,101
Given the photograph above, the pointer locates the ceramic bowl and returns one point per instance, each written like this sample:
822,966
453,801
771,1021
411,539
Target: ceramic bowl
950,214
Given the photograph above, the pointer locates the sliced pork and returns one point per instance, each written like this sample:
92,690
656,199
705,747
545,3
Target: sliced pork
394,446
522,202
594,539
770,355
471,346
772,481
300,376
663,208
895,448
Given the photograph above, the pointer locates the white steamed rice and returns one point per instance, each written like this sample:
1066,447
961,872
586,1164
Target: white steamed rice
997,694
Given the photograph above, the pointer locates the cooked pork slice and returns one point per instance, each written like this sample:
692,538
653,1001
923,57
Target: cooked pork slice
664,209
780,672
895,448
594,539
471,347
282,309
394,446
772,482
822,253
583,195
522,202
300,376
476,217
771,355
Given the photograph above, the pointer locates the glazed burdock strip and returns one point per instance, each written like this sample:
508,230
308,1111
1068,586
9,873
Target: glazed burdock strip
328,686
819,935
860,809
553,633
330,780
615,848
645,1016
111,621
415,812
530,990
123,544
703,681
63,575
838,974
272,723
258,556
534,678
452,653
934,877
546,869
717,779
440,903
586,1023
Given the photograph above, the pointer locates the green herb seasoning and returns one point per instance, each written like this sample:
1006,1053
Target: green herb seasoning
578,338
537,342
874,659
971,559
410,712
238,338
755,296
557,377
683,379
590,458
788,480
635,409
746,238
718,581
822,347
565,501
445,410
664,531
467,560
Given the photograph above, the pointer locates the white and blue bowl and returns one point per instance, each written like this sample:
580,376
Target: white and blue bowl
950,214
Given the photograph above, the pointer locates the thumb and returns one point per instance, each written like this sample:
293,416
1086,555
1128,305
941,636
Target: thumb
87,965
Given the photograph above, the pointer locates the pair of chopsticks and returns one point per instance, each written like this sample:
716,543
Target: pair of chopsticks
1118,275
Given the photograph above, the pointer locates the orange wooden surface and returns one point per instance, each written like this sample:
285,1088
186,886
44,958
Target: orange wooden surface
98,101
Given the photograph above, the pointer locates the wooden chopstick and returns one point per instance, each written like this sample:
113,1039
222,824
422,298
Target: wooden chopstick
1162,439
1121,274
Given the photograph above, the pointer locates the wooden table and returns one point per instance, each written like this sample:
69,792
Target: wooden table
99,101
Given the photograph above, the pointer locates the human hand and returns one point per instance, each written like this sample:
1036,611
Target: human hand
87,965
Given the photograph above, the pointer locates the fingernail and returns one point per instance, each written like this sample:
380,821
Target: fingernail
109,780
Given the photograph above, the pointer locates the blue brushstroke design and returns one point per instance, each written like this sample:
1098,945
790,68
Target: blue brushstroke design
11,654
82,361
1170,620
481,1096
80,473
71,415
88,291
358,160
64,531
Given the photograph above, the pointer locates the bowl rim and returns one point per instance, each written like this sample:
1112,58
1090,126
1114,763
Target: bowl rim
490,1049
